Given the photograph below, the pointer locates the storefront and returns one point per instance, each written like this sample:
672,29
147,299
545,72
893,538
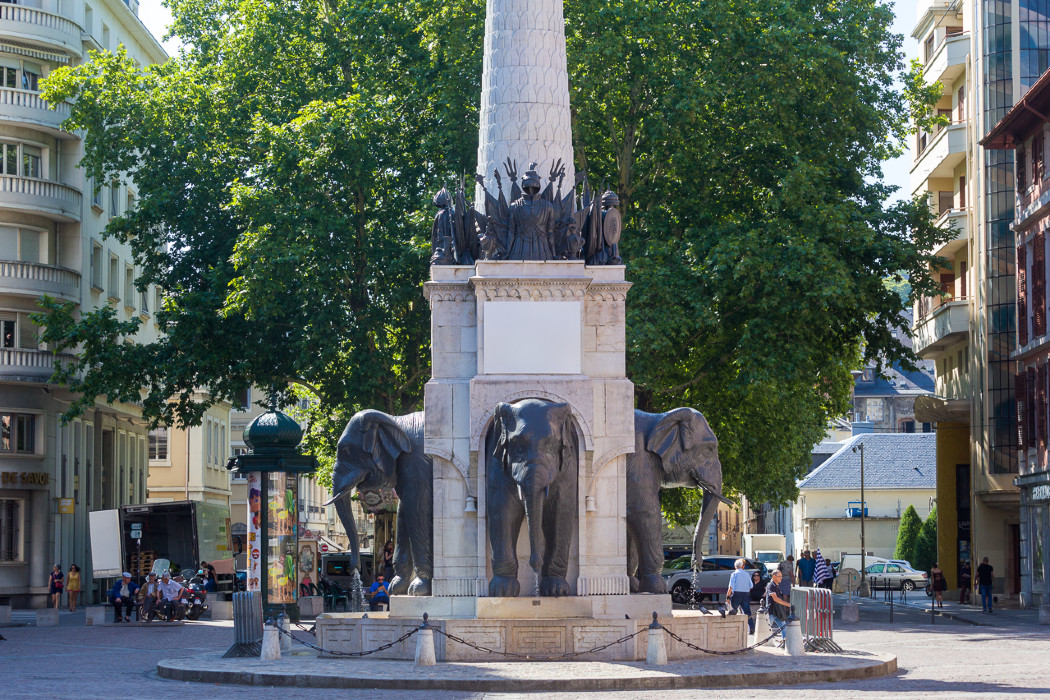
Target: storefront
1035,535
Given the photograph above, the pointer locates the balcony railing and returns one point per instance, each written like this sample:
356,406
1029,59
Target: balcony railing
939,322
29,107
40,196
36,279
39,26
28,365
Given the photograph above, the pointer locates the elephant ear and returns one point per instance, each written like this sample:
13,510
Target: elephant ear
676,435
562,413
383,438
502,425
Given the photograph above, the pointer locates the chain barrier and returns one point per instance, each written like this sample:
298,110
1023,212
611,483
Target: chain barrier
304,628
316,647
694,647
534,657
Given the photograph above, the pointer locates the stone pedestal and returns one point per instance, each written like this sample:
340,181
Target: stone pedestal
1044,614
311,605
220,609
613,607
47,617
95,615
540,637
503,331
5,614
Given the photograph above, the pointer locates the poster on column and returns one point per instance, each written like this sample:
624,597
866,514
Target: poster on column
254,530
282,515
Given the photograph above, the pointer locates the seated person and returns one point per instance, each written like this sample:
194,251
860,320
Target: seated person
378,594
169,596
779,608
123,595
149,596
206,580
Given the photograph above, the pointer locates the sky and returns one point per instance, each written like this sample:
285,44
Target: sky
156,17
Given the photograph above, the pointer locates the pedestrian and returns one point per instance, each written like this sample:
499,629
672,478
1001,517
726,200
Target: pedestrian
388,561
123,596
940,585
806,567
985,580
821,571
739,593
149,597
378,594
777,606
757,590
787,567
965,580
169,597
210,569
54,585
72,586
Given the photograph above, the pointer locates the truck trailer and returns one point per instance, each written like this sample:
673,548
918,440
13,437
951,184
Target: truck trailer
767,549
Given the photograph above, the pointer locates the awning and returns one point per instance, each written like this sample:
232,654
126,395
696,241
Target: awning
33,52
936,409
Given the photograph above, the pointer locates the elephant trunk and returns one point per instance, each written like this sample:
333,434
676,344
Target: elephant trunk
534,502
346,515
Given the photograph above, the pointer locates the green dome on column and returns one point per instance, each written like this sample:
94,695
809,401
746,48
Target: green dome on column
273,432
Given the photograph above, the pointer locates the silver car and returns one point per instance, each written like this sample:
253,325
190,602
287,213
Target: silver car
895,576
713,577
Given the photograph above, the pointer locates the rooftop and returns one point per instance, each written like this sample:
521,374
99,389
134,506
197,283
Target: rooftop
891,461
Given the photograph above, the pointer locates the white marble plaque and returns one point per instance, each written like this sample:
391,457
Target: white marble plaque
531,337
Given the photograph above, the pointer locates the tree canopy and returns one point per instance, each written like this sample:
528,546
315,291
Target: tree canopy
285,160
924,555
907,534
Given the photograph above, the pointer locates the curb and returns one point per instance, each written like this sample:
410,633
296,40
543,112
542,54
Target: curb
193,669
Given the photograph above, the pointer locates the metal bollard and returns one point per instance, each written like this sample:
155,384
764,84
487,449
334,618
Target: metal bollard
891,610
425,655
286,632
656,649
271,644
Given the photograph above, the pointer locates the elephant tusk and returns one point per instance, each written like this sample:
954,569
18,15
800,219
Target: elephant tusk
337,496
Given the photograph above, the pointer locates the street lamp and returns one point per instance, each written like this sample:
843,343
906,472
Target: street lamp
863,590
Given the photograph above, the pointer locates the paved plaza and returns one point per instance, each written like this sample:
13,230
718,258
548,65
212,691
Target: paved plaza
1004,655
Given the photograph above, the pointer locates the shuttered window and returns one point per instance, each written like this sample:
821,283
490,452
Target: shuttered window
1030,413
10,529
1039,284
1020,163
1037,158
1041,403
1022,307
1020,393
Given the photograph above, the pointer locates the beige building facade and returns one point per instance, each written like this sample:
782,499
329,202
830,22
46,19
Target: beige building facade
190,464
51,223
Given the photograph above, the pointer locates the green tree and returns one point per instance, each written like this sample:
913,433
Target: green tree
285,160
924,554
907,534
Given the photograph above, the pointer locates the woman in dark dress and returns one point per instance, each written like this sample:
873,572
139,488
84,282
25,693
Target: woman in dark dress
939,584
55,585
758,591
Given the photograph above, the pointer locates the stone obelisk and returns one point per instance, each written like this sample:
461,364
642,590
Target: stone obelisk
524,91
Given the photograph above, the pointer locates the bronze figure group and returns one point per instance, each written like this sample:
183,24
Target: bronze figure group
537,223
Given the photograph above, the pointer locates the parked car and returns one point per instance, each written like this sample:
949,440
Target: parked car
713,577
896,576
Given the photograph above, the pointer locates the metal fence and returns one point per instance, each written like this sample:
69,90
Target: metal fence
814,607
247,625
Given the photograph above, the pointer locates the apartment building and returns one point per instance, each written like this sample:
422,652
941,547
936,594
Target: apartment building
51,221
984,54
189,464
1024,131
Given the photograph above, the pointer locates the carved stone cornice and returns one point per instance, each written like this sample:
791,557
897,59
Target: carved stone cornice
608,291
530,288
448,291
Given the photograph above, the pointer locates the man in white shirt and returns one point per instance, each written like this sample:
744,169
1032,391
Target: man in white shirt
169,591
739,592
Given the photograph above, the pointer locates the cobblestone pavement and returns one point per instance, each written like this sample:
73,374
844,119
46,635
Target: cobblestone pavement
1005,657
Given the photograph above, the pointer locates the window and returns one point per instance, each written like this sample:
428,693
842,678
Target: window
21,159
114,278
31,161
907,426
129,286
960,110
7,332
158,444
114,198
96,194
962,192
144,302
20,244
1019,163
928,49
17,433
10,529
96,266
9,158
1037,158
945,200
242,400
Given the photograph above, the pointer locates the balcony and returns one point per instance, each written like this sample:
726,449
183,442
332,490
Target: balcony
948,61
30,27
945,150
956,219
939,324
29,194
27,365
34,280
26,108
